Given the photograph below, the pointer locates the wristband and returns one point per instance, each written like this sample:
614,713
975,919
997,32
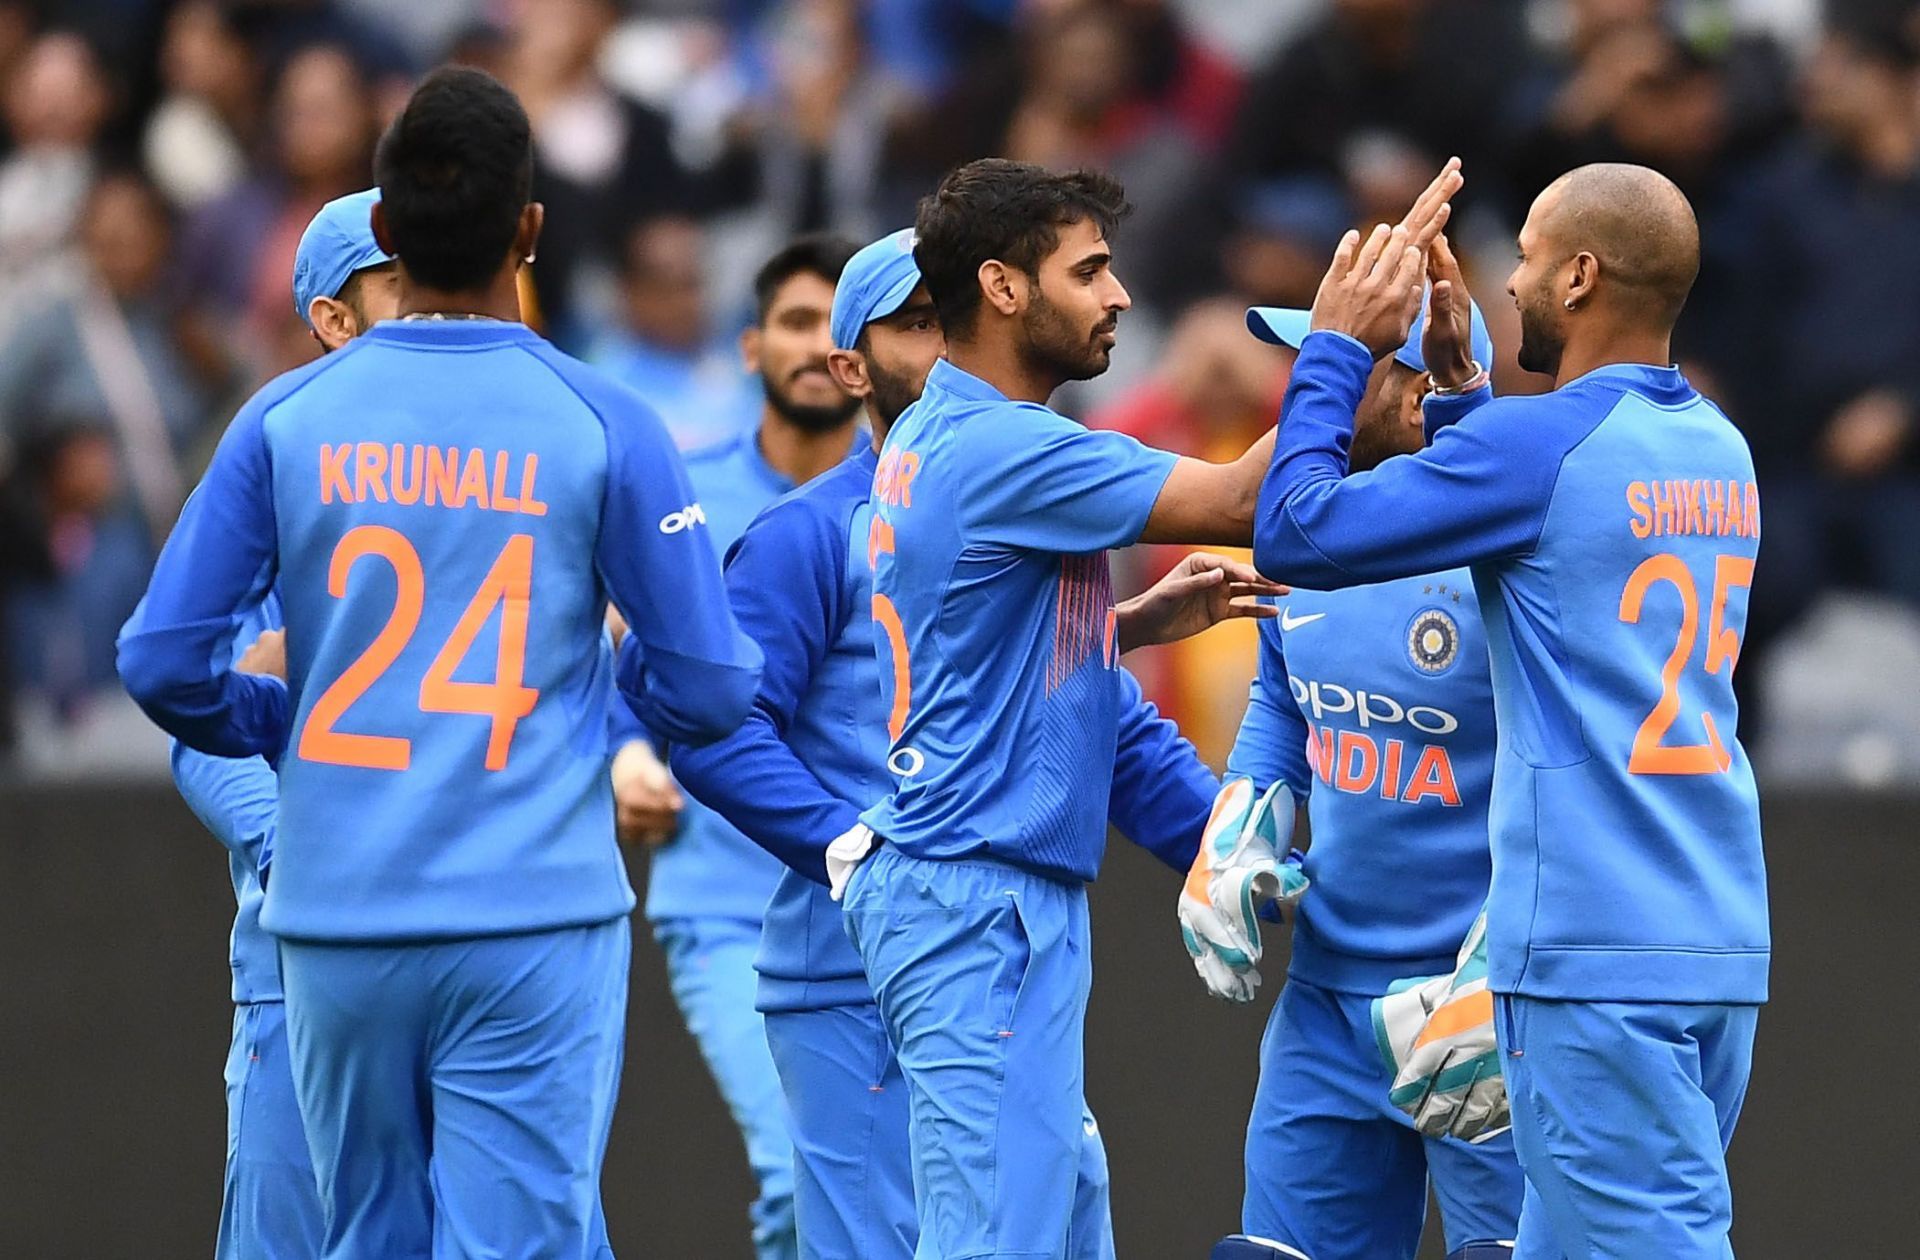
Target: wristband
1477,380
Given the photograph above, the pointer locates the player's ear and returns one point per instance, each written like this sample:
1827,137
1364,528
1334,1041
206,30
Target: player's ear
1002,288
750,348
526,238
378,217
849,371
1583,277
333,322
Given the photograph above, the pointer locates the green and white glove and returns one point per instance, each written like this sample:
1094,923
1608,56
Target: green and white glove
1436,1035
1238,869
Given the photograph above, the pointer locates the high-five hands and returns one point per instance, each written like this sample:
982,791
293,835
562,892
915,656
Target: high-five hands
1372,291
1200,592
1446,343
1239,868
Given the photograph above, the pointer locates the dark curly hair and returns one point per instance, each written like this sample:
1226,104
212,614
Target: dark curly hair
1011,211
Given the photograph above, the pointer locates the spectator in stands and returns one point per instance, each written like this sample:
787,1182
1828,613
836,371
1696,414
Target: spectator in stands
112,348
1428,76
238,249
1834,364
57,102
198,140
601,159
667,349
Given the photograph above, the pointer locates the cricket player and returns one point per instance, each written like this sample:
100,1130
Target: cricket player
1611,527
795,776
709,885
999,648
446,505
343,283
1374,707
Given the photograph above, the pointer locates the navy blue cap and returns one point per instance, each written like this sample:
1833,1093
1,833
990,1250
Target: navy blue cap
876,282
1282,326
336,244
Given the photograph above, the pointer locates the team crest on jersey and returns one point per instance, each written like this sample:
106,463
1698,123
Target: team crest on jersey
1433,641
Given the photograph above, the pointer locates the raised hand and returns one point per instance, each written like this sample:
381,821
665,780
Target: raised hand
1434,207
1372,291
1447,342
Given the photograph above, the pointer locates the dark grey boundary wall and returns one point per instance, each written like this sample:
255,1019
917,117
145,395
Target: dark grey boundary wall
114,1020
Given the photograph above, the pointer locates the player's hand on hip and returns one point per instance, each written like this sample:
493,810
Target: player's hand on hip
1239,868
1437,1037
1202,591
1372,291
646,803
265,655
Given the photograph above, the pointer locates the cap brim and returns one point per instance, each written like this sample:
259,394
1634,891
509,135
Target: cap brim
1279,325
895,297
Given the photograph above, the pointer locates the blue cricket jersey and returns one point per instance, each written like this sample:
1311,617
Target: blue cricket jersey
813,752
238,800
992,521
710,869
1374,706
1612,527
446,507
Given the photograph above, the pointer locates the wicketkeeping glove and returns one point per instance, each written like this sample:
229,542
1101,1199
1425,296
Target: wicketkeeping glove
1239,867
1436,1035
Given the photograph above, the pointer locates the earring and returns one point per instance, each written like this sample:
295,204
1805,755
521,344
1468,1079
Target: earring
1569,302
528,260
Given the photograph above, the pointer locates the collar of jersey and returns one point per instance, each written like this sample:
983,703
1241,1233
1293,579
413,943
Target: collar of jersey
450,333
1664,385
961,382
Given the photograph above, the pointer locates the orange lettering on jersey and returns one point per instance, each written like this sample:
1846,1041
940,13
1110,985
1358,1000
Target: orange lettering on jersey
1357,763
893,480
1642,523
370,471
1753,510
1390,771
407,490
1696,522
333,472
879,540
502,501
443,476
473,482
528,504
1320,749
1662,507
1432,776
1716,495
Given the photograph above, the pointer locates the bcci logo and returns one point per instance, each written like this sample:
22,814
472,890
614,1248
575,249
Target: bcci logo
1433,641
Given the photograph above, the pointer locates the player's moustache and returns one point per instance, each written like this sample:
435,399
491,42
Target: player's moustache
818,365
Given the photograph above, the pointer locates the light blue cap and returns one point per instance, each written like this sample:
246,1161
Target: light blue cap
876,282
1282,326
336,244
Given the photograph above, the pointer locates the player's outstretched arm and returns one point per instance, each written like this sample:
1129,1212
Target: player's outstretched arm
1197,594
219,559
685,667
785,578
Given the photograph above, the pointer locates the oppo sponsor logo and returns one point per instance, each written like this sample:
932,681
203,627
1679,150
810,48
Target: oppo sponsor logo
686,518
1370,708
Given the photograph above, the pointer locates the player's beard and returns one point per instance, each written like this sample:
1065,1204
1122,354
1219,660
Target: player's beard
1543,338
1056,347
810,417
893,392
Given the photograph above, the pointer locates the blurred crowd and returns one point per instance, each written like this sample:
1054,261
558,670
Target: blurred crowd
159,159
